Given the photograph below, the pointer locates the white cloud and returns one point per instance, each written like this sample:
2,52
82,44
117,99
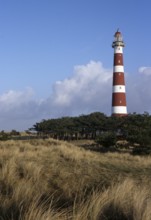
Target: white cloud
18,109
88,89
139,91
13,99
145,70
81,93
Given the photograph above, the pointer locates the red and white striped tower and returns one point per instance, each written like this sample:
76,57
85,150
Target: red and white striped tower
119,107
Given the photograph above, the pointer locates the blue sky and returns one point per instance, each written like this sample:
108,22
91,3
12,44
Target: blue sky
51,50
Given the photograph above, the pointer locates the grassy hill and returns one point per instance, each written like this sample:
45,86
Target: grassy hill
54,180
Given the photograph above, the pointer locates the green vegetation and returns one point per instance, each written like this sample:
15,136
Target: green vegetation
107,139
55,180
8,135
134,128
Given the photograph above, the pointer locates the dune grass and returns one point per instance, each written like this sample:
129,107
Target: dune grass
54,180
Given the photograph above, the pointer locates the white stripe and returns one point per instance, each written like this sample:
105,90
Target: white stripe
119,110
119,88
118,69
118,49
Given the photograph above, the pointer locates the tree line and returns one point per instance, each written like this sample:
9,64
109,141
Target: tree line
105,130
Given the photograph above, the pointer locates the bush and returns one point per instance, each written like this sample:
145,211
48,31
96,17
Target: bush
141,151
107,139
4,136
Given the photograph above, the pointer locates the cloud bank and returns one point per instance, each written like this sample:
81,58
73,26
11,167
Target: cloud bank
88,89
84,91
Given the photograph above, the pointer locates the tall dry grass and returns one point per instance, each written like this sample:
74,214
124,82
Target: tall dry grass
49,179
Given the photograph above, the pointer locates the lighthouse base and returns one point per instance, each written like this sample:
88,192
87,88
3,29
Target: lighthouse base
119,115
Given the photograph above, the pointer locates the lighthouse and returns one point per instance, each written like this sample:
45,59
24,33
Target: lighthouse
119,107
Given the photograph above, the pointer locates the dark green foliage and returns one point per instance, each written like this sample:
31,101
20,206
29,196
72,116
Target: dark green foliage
141,151
135,128
4,136
138,129
14,133
107,139
84,126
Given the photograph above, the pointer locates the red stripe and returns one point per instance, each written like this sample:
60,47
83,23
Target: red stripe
118,79
118,99
118,59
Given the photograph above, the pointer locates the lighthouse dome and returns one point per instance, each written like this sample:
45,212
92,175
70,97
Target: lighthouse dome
117,34
118,39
